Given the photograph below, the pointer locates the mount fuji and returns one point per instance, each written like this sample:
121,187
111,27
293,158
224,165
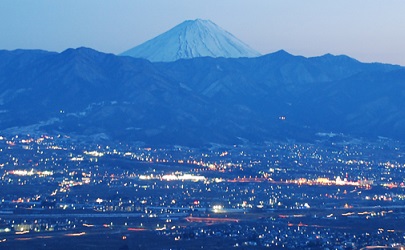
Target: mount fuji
190,39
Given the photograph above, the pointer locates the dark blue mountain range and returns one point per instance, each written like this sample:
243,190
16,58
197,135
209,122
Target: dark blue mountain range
200,100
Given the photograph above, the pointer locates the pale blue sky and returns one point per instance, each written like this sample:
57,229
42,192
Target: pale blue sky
368,30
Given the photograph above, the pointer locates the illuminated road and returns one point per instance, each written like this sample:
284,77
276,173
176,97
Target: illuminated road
88,215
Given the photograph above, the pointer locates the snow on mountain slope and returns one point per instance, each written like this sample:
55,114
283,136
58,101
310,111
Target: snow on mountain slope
192,38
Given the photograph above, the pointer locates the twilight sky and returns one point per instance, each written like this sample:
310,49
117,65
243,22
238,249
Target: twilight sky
368,30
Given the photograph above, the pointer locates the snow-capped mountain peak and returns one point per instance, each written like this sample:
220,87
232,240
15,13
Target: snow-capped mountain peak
192,38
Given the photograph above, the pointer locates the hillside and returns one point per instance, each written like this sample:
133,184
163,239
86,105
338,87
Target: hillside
201,100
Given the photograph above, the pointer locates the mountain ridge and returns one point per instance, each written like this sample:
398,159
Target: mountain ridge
200,100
